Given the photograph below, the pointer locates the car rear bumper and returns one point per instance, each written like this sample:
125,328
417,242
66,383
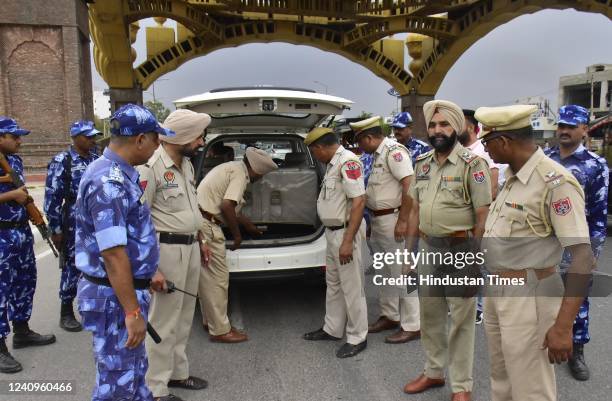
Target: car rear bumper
276,259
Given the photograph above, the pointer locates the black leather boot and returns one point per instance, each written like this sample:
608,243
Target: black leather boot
23,336
577,365
67,320
8,364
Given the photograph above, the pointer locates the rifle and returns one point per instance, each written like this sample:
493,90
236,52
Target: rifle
11,177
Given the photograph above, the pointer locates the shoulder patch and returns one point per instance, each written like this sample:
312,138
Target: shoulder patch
562,206
59,157
115,173
353,169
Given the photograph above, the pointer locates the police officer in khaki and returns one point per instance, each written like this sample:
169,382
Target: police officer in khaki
389,205
220,197
452,193
340,208
169,189
538,213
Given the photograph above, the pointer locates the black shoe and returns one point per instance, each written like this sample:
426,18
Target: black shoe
67,320
577,365
319,335
169,397
8,364
190,383
349,350
23,336
478,317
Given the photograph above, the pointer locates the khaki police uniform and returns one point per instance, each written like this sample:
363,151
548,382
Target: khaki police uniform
448,196
391,164
226,181
539,211
345,302
169,190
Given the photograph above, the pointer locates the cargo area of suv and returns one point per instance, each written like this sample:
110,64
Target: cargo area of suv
283,204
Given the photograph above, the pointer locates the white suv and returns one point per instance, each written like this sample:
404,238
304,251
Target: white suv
284,203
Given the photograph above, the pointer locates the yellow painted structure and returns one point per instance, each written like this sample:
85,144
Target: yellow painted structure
440,32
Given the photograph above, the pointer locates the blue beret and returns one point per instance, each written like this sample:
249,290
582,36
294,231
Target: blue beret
402,120
9,126
83,127
572,114
131,119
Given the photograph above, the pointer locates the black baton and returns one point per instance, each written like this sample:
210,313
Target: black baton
153,333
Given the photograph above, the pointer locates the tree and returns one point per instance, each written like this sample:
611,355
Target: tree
158,109
364,115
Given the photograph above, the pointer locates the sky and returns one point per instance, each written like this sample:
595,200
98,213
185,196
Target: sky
524,57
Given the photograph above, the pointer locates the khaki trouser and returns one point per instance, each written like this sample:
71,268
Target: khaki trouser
394,302
345,302
516,321
171,315
447,345
214,282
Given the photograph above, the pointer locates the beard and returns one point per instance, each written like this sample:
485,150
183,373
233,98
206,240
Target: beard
187,151
464,137
442,143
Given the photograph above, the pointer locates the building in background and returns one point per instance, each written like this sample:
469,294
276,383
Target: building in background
101,104
543,121
592,89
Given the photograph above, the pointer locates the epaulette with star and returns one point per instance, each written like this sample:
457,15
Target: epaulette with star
468,156
425,155
115,174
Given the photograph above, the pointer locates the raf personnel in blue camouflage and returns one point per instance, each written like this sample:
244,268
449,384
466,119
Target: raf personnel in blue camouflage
402,129
592,173
64,174
118,254
17,262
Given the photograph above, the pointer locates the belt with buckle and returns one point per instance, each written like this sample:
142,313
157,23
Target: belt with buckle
210,217
180,239
384,212
139,283
454,238
335,228
7,225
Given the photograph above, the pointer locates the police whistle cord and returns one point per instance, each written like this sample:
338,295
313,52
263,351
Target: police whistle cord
172,288
35,216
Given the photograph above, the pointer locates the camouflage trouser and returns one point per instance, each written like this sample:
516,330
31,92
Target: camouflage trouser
581,322
70,274
17,277
120,372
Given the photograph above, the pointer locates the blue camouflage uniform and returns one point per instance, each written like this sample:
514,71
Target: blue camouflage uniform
60,204
109,213
592,173
17,261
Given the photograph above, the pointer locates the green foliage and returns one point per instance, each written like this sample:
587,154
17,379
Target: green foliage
158,109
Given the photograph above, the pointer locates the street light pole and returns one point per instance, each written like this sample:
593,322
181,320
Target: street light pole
153,88
322,84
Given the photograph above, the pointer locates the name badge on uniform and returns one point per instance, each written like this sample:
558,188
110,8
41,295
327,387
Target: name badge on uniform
421,177
169,178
